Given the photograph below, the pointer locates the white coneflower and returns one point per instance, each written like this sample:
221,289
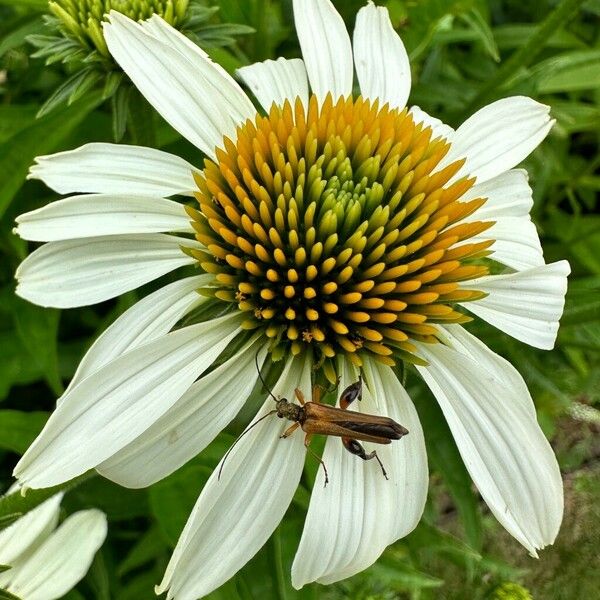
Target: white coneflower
338,233
44,561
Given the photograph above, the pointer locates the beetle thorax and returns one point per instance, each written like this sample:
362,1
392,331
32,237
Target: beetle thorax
290,411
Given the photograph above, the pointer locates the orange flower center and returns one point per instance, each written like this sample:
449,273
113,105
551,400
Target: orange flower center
332,230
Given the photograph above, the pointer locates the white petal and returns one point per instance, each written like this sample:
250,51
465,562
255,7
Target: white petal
498,137
326,48
526,305
508,195
150,318
497,367
382,65
115,169
190,425
352,520
236,513
503,447
114,405
438,128
18,538
275,81
231,98
516,242
92,215
81,272
62,560
177,88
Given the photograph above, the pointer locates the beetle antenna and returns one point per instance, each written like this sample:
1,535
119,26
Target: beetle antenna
261,377
271,412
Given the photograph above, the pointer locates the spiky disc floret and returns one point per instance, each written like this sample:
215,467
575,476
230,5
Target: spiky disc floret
329,229
83,18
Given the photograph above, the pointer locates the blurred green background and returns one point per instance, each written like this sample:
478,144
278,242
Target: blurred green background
464,53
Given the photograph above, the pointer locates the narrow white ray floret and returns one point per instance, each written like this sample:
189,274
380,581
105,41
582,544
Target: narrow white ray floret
46,562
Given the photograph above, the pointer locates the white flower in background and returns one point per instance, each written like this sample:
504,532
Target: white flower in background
334,232
47,561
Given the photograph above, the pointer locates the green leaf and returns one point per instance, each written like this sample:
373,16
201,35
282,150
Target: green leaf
478,24
41,5
173,498
98,578
37,328
582,302
18,429
576,116
567,72
18,35
14,118
19,503
147,548
401,576
119,504
119,103
42,137
62,93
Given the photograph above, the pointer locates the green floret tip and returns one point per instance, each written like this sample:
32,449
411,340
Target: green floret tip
83,19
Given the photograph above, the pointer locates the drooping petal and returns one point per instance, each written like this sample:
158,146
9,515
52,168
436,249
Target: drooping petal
498,137
189,426
458,338
183,92
231,97
92,215
72,273
237,512
30,530
115,169
352,520
150,318
275,81
438,128
382,65
115,404
508,195
516,242
526,305
499,439
325,46
62,560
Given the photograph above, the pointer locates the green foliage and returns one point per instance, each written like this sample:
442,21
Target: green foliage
464,53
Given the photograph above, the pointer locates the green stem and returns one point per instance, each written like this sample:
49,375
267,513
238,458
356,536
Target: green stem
278,565
17,504
527,53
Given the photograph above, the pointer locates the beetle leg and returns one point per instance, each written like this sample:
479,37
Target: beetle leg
300,396
356,448
307,440
350,394
316,393
319,391
289,430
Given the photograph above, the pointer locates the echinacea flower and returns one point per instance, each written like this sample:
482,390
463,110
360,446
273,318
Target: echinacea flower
337,234
45,561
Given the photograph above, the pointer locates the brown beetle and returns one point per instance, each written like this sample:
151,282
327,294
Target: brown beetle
313,417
